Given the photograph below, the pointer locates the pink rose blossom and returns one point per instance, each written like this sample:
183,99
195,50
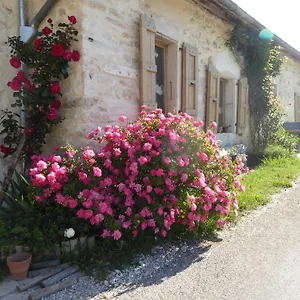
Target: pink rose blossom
41,165
203,156
221,223
122,119
214,125
116,235
106,233
97,172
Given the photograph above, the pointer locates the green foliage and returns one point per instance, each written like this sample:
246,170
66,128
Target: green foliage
26,222
17,200
277,135
261,61
277,151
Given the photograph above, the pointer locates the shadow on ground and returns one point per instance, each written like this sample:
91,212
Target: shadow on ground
164,262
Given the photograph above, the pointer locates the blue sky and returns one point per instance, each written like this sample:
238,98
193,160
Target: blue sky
281,17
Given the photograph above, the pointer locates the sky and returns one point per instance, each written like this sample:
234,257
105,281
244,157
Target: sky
281,17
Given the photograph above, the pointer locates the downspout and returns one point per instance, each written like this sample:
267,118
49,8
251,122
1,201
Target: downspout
28,32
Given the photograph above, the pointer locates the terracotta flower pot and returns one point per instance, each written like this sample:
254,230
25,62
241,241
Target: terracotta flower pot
18,265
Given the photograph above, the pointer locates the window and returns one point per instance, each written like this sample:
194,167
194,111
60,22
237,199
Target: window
159,68
160,77
226,104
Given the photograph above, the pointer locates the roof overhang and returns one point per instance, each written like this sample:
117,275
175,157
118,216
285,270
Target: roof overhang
228,10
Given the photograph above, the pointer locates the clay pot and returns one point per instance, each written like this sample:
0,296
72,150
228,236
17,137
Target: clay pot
225,129
18,265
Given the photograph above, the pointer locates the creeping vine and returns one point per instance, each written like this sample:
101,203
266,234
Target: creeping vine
261,61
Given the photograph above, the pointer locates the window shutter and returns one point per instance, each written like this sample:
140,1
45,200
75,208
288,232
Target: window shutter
148,67
242,105
172,77
213,95
297,108
190,80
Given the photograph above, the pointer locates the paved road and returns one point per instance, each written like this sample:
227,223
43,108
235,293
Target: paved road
259,259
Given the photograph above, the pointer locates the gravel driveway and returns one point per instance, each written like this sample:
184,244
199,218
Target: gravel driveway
259,258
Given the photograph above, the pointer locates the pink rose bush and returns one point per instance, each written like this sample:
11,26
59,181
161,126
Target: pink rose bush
160,171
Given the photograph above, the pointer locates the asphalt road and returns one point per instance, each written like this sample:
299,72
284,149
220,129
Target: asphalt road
258,259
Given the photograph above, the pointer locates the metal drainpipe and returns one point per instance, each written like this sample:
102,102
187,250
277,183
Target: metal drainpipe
27,33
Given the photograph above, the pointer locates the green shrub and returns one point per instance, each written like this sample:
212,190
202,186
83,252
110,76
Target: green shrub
278,151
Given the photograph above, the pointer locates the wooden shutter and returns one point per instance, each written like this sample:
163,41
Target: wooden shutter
190,80
213,95
148,67
172,78
297,108
242,105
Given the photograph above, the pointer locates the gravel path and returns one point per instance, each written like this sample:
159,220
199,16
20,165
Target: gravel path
258,259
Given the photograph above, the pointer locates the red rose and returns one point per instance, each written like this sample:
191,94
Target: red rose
72,19
30,87
21,77
15,84
5,150
38,43
54,87
15,62
57,50
49,20
75,55
52,114
28,130
46,30
68,55
56,104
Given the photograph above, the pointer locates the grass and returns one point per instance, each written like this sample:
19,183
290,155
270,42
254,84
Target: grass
268,179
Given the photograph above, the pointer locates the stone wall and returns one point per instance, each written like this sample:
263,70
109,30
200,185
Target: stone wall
105,83
9,22
111,47
288,83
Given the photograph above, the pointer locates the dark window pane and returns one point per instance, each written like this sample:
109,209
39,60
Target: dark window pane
160,77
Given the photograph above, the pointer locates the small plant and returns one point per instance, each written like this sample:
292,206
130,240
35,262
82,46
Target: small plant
277,151
277,134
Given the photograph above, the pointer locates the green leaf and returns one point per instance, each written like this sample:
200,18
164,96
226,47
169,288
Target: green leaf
17,229
46,93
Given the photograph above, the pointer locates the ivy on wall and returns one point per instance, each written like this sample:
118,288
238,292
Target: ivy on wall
261,61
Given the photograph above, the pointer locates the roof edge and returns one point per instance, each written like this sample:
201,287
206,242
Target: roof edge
233,12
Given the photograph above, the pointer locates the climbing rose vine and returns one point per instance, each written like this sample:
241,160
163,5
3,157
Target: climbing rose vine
38,90
154,173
